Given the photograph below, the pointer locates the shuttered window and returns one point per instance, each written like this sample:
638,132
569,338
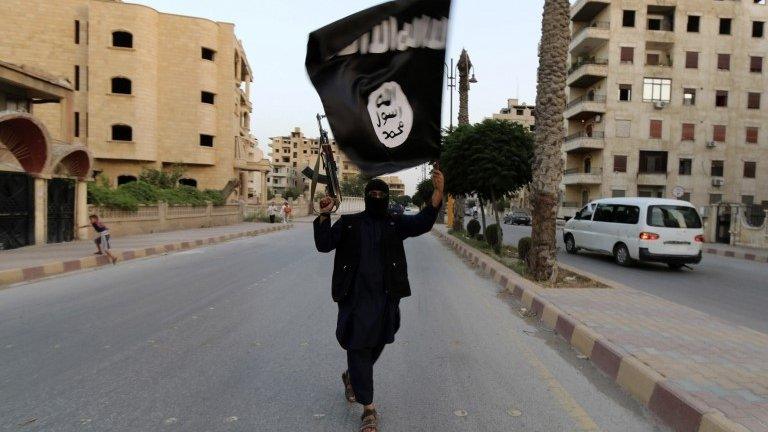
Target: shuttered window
619,163
689,131
718,133
655,131
756,64
753,100
750,169
752,135
723,61
627,54
691,60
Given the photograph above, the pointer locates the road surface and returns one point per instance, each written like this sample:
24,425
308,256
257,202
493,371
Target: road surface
240,337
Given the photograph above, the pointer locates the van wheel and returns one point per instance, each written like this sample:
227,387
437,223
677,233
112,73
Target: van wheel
675,266
570,244
621,255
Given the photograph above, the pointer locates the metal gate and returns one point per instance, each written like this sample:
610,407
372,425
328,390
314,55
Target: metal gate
17,210
61,210
723,232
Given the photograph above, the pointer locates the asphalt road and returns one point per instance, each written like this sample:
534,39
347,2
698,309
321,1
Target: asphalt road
729,288
240,337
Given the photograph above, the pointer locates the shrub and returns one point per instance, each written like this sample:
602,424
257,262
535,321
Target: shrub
473,228
524,248
493,237
130,195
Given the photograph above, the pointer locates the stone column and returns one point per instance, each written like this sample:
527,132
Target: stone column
81,209
735,229
162,212
41,210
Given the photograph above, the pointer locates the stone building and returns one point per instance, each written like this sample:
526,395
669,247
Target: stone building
291,154
150,89
519,113
42,173
667,98
396,186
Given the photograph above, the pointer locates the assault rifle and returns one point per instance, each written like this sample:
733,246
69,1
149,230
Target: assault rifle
331,177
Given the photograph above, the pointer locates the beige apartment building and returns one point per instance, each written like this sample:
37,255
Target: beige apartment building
396,186
291,154
667,98
150,89
519,113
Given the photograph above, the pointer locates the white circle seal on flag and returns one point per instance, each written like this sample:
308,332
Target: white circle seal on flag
391,114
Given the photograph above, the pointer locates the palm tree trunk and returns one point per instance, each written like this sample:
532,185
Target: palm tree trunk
550,133
482,212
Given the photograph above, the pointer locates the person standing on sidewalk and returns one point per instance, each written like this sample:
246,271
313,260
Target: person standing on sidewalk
369,279
272,212
102,241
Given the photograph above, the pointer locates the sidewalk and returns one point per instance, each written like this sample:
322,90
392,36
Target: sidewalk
695,372
740,252
34,262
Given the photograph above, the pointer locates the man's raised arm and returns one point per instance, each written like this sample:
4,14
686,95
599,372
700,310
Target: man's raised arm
414,226
326,236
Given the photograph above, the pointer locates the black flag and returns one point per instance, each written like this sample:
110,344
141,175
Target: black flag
379,74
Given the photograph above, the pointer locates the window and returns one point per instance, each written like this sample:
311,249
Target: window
654,23
122,39
718,133
758,29
691,60
657,89
207,54
755,64
77,124
748,199
686,167
207,97
717,169
689,96
752,133
615,213
121,85
125,179
623,128
723,62
628,19
653,162
715,198
619,163
627,54
121,132
77,78
603,213
725,26
689,132
694,22
77,32
750,169
520,112
188,182
753,100
584,214
618,193
655,129
721,98
672,216
652,59
625,92
206,140
686,197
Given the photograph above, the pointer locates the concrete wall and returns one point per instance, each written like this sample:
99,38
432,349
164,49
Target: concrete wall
162,217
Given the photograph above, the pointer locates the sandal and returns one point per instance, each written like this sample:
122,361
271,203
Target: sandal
349,393
370,421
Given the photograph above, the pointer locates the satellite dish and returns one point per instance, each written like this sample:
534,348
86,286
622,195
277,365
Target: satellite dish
678,192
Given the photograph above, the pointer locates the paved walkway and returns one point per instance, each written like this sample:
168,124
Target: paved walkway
746,253
690,368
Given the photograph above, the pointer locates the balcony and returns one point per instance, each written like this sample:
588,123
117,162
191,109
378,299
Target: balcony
585,107
244,159
584,142
652,179
585,10
590,38
575,176
586,72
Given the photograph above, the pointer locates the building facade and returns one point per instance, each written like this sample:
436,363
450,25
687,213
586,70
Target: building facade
667,99
150,89
519,113
396,186
291,154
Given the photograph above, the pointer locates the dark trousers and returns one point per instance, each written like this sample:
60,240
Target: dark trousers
360,366
271,218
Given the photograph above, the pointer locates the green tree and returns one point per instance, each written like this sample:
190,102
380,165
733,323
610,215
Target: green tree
490,159
353,186
403,200
423,193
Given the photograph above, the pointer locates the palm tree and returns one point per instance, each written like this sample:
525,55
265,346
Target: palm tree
550,132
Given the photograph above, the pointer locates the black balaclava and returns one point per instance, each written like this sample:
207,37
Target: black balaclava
377,207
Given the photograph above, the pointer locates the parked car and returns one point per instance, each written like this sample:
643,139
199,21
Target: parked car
517,218
638,229
396,209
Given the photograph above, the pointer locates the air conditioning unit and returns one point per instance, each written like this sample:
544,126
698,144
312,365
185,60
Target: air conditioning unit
718,182
711,144
660,104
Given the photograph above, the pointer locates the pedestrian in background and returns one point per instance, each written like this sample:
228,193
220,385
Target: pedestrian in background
288,212
369,279
272,212
102,241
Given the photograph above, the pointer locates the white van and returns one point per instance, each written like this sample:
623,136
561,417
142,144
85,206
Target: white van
641,229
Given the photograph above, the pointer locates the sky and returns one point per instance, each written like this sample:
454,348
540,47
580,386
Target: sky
501,37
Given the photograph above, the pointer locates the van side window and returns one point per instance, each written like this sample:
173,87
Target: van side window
624,214
585,214
604,213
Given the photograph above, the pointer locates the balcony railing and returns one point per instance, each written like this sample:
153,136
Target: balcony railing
586,98
583,62
583,134
577,171
594,24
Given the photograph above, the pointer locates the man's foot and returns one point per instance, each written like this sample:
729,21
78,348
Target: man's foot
114,260
349,393
98,253
370,421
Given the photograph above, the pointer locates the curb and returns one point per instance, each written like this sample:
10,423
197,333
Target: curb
27,274
748,256
678,411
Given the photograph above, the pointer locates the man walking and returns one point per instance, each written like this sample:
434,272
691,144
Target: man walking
369,279
102,241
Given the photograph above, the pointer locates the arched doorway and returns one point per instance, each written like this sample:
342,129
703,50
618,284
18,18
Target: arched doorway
71,165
